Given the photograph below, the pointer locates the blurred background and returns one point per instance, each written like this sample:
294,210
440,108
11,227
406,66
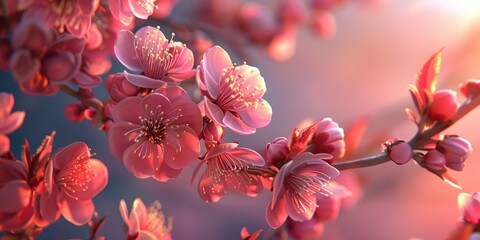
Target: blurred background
362,71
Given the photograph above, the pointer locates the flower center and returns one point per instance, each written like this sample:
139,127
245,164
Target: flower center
301,187
157,54
235,92
75,177
152,130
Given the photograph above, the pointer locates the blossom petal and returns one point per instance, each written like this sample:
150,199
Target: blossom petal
140,159
214,61
184,149
11,170
120,11
276,214
141,11
124,49
173,93
248,156
300,209
97,184
23,65
77,212
208,190
4,144
237,125
154,105
165,173
214,112
48,207
16,195
128,110
75,151
219,149
19,221
120,137
12,122
146,235
143,81
190,112
257,117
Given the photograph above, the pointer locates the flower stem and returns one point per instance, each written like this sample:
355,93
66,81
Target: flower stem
363,162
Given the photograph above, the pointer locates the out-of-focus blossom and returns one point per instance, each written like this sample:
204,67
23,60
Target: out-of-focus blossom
212,134
283,44
156,135
119,88
292,12
306,230
258,22
456,150
160,60
77,112
471,88
72,179
233,94
469,207
74,15
227,166
126,10
328,138
399,151
443,106
145,223
435,160
245,235
296,186
200,43
277,151
323,24
5,52
163,9
41,61
9,122
16,208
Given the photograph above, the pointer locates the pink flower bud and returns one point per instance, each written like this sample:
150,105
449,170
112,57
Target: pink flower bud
323,24
119,87
108,109
257,21
292,11
444,105
469,207
456,151
328,138
276,151
435,160
399,151
212,133
74,112
89,113
471,88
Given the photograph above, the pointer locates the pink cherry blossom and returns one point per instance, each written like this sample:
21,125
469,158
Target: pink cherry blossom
158,59
456,150
156,135
443,106
126,10
296,186
257,21
73,15
469,207
233,94
145,223
164,8
72,179
9,122
16,208
227,166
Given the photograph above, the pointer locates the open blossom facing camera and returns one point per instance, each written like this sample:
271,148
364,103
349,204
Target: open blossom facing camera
72,179
145,223
296,186
156,135
227,166
233,94
158,59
